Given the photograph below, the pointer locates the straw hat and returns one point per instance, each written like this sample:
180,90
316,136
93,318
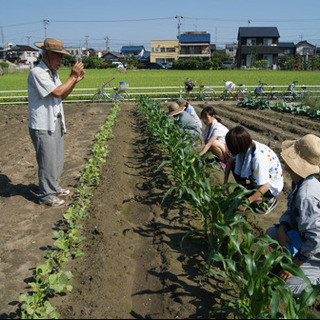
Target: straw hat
302,155
50,44
174,108
181,102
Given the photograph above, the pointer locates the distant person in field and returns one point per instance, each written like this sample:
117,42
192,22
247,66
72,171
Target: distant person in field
255,166
183,119
46,117
214,136
299,228
189,109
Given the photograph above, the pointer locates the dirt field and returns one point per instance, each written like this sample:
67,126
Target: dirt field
134,266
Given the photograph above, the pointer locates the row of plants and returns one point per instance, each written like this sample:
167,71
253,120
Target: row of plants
300,109
244,261
50,276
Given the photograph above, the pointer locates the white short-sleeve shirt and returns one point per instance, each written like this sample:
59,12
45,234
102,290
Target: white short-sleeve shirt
43,108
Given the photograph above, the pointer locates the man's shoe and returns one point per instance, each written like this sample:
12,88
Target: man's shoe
271,204
63,192
54,202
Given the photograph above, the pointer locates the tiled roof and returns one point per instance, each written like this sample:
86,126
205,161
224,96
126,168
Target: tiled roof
19,47
195,37
258,32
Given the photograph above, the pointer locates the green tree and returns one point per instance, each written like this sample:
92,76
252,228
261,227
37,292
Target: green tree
93,62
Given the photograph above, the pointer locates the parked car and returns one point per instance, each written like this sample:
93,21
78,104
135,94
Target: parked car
168,66
118,64
155,65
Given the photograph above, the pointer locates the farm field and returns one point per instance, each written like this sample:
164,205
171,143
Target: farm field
153,78
134,266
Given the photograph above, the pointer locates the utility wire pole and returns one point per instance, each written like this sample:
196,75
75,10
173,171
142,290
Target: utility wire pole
45,21
2,36
107,42
179,25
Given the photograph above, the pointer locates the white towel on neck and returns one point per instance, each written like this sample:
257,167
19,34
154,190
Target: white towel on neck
243,165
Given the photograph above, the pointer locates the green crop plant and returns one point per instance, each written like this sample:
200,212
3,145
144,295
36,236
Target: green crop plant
50,277
247,260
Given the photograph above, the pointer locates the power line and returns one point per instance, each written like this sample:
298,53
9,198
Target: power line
111,21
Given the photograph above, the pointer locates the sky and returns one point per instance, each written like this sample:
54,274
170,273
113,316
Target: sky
100,24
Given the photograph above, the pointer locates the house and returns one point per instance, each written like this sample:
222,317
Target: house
112,56
194,44
137,51
231,50
305,49
257,43
22,54
78,52
164,51
286,49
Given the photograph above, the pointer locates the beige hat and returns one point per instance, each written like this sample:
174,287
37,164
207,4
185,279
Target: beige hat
174,108
302,155
51,44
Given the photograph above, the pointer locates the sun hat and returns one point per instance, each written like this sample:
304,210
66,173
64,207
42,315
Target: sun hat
174,108
181,102
302,155
50,44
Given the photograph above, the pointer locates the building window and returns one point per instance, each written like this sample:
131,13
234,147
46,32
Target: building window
268,57
267,42
171,50
251,42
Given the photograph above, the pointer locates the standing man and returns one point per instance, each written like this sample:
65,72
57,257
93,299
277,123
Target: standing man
46,117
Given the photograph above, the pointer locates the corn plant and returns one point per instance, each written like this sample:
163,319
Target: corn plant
247,261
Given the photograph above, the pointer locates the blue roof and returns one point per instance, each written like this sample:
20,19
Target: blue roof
131,48
194,37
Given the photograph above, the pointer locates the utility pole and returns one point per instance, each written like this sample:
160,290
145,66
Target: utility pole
28,38
2,36
87,37
45,21
179,25
107,42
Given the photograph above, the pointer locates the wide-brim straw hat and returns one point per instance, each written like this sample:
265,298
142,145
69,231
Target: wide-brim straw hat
174,109
181,102
50,44
302,155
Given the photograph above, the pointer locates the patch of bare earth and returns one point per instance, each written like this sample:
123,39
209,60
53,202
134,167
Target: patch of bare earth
134,265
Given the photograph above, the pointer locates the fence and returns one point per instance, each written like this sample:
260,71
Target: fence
161,93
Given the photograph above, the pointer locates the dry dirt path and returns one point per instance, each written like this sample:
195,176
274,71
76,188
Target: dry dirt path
133,265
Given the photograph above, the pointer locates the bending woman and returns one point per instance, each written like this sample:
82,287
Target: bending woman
257,163
214,136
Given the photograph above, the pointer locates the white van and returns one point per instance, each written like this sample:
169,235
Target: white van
119,64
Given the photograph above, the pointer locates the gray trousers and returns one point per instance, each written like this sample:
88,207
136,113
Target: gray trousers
311,269
49,149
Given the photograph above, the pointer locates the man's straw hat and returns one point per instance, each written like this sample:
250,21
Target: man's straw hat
302,155
50,44
174,108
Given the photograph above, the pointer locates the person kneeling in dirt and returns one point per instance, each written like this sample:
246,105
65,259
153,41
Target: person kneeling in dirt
189,109
299,227
256,162
214,136
183,119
